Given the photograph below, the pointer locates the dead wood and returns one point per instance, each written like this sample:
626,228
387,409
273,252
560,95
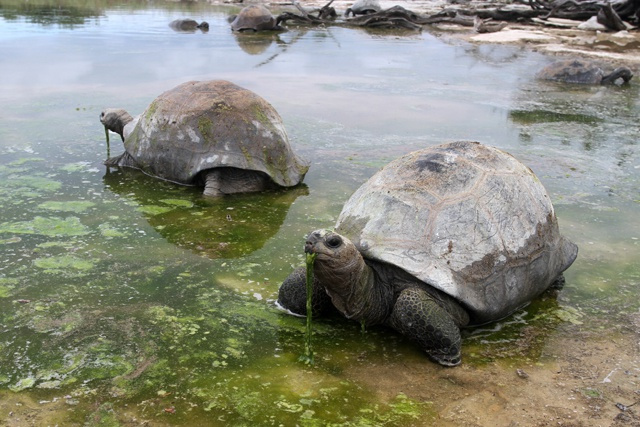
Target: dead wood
610,19
483,20
610,15
394,17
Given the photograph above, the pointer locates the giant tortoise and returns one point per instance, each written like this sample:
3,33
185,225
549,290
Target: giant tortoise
210,133
450,236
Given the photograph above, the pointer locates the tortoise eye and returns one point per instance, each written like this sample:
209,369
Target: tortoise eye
334,241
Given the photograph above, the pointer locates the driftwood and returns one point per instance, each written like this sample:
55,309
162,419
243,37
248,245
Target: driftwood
610,19
395,17
612,16
326,14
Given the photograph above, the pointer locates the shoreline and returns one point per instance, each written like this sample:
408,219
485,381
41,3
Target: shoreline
559,37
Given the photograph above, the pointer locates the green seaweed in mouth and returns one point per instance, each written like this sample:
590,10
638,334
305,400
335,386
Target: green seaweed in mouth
307,357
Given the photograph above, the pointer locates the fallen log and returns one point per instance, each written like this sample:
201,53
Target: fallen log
483,20
610,19
612,14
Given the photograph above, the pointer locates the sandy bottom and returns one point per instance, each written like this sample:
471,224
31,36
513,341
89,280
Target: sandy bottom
580,380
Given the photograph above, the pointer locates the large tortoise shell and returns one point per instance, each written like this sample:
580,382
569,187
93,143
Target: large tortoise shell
465,218
202,125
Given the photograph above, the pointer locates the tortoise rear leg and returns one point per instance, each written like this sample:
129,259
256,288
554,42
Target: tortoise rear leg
213,183
227,180
417,315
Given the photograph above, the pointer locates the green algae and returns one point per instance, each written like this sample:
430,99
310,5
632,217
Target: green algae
570,315
104,416
205,126
63,264
6,286
75,206
75,167
23,384
10,240
46,226
25,160
178,202
55,244
261,116
33,182
109,231
5,291
154,209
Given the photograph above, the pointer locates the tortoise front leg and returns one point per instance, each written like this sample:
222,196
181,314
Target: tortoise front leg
292,294
417,315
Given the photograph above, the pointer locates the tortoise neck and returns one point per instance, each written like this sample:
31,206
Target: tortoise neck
619,73
358,293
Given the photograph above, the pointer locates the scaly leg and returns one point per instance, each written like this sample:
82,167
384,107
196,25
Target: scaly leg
417,315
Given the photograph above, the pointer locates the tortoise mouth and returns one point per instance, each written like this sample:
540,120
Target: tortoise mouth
309,247
321,242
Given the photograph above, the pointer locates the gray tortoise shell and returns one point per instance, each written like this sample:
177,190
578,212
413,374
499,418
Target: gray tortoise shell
254,17
361,6
572,71
202,125
465,218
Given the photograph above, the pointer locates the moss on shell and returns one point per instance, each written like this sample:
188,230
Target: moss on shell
205,126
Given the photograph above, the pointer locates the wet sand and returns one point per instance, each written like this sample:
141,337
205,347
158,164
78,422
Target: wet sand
578,382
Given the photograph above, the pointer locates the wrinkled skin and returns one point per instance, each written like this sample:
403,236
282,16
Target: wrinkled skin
115,120
376,293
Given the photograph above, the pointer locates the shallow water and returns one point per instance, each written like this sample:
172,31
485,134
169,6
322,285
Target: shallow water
127,298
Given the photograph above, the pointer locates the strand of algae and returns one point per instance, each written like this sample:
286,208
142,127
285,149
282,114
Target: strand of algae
106,131
307,357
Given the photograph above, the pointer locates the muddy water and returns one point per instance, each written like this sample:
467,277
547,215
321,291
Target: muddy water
124,299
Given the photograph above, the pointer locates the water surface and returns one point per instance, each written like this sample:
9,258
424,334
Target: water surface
127,298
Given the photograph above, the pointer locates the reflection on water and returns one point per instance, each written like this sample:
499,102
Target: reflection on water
226,227
107,304
47,13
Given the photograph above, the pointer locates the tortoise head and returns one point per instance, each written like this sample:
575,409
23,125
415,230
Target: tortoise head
623,73
115,119
338,266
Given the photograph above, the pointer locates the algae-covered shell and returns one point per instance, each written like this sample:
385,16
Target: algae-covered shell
198,126
465,218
